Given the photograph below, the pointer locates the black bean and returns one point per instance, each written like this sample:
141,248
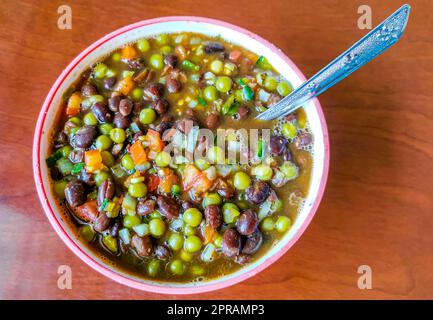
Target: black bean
168,207
231,243
213,47
137,63
74,193
247,222
84,137
145,207
114,229
88,90
277,145
155,91
258,192
160,106
113,103
109,83
173,85
101,112
213,216
143,245
253,242
120,121
287,155
86,177
242,113
186,205
76,156
55,173
102,222
170,60
125,107
61,139
162,252
164,126
303,139
224,189
212,121
106,190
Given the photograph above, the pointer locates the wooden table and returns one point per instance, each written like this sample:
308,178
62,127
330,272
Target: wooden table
378,206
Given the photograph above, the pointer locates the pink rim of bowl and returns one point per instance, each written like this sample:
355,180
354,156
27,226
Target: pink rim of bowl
43,190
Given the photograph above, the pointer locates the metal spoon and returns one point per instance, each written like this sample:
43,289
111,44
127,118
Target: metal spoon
369,47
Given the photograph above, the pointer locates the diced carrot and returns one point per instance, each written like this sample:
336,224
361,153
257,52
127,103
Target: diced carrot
125,85
93,160
138,153
209,234
180,52
167,179
129,53
235,55
74,104
153,182
195,179
154,140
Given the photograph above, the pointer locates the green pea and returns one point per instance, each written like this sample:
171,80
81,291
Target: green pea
241,180
87,233
283,223
211,199
100,70
270,83
77,121
110,243
156,215
210,93
289,130
202,164
216,66
230,213
166,49
176,190
143,45
107,158
289,169
116,57
157,227
192,244
127,162
118,135
175,241
65,166
267,224
59,189
162,39
218,241
137,94
131,221
197,270
189,230
163,159
153,268
186,256
137,190
147,116
192,217
66,150
157,61
177,267
105,128
262,172
103,142
284,88
100,177
90,119
223,84
216,155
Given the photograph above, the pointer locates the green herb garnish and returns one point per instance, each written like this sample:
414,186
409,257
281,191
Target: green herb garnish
104,205
260,149
202,101
77,168
247,92
188,65
230,107
51,160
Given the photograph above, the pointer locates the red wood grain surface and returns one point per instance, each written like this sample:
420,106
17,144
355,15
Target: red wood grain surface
378,206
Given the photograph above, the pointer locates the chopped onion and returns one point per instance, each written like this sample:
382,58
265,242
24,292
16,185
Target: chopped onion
208,253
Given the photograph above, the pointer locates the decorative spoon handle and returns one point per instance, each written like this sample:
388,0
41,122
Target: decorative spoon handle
370,46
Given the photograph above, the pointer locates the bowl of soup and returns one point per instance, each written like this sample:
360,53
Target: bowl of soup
150,165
